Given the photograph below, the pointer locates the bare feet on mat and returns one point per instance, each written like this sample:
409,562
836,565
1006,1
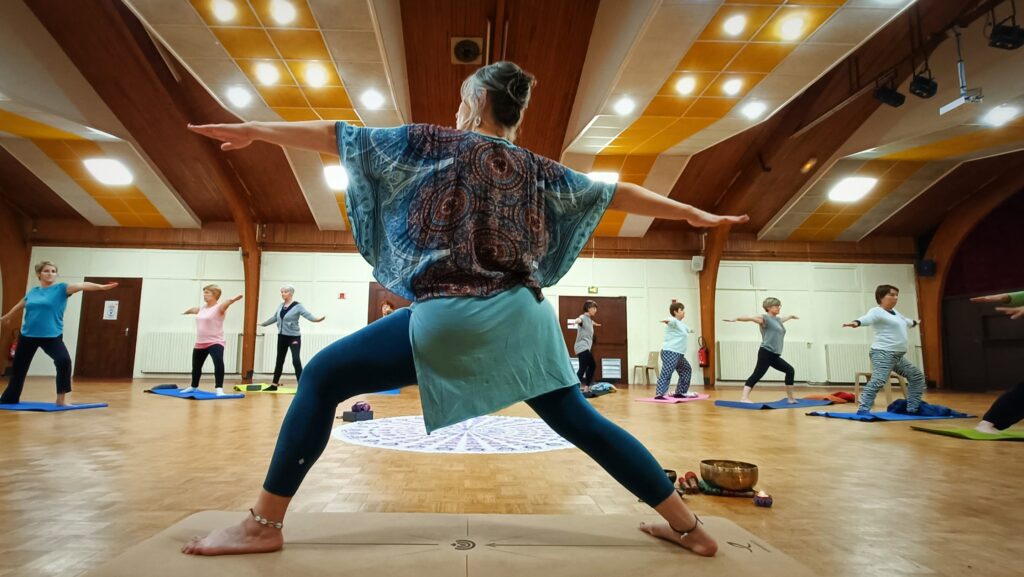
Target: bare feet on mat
986,427
187,390
746,400
63,402
697,540
244,538
791,401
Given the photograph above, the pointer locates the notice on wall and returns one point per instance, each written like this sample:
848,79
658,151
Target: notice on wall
611,369
570,324
110,310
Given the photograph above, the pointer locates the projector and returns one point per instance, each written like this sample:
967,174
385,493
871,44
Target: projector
1007,37
972,96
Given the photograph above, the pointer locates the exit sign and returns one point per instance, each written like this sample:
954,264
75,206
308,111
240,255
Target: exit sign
341,296
592,290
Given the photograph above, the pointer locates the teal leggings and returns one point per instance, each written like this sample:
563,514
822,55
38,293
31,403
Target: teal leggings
379,357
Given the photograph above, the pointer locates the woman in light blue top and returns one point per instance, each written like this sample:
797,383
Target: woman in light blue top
673,355
288,335
43,328
471,228
769,354
888,350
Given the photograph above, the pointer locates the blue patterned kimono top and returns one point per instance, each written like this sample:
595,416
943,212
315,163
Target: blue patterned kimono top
470,228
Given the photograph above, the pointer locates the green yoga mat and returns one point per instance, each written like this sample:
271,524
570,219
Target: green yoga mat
265,388
972,435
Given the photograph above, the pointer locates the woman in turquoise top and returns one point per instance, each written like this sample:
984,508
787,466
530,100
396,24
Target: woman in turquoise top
43,328
470,227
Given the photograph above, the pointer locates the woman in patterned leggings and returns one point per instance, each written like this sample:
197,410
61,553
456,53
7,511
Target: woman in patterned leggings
673,355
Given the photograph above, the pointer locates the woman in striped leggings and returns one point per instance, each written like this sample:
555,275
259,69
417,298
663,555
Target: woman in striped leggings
673,350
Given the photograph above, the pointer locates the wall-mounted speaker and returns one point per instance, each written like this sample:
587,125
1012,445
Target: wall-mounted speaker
697,264
926,268
467,50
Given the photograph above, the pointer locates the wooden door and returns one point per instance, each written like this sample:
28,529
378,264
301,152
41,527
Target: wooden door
610,340
107,330
379,294
982,347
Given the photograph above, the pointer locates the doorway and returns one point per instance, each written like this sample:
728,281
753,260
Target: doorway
379,294
610,343
107,330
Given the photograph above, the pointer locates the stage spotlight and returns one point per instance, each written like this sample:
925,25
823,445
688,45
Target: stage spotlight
924,86
891,96
1006,36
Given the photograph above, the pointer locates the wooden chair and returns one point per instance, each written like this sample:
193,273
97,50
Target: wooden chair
902,382
653,359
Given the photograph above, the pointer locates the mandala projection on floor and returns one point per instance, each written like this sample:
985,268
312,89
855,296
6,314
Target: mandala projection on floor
479,436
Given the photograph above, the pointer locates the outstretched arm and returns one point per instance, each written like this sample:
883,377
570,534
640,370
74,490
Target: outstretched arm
315,135
89,287
640,201
224,306
11,314
790,318
191,311
758,320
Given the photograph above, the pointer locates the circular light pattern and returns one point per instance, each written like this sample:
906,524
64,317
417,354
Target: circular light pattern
792,28
282,11
624,106
372,99
109,171
754,110
1000,115
492,434
733,87
224,10
336,177
267,73
686,85
316,74
239,96
734,26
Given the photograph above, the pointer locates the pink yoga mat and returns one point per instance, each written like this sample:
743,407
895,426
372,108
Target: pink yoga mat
671,401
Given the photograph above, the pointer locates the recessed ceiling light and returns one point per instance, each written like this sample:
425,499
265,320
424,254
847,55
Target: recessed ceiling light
733,87
611,177
372,99
852,188
108,171
792,28
316,74
624,106
224,10
754,110
734,26
336,177
239,96
282,11
267,73
686,85
1000,115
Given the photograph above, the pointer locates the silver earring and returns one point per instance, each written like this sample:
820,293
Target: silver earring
476,122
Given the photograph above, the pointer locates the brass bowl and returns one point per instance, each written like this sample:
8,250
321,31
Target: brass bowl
731,475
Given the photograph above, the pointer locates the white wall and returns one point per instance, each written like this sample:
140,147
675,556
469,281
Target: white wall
823,295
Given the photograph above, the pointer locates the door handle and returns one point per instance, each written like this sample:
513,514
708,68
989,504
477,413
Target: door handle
126,331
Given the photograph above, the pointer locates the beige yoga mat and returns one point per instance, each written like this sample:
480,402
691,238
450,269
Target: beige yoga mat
433,545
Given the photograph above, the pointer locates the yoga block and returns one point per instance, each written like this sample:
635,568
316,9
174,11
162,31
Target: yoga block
360,416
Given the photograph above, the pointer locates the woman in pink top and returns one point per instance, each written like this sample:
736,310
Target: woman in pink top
209,336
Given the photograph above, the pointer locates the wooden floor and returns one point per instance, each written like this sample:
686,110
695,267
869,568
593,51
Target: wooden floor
851,499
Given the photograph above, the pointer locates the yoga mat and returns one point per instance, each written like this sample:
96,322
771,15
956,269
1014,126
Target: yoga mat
972,435
672,401
780,404
262,388
50,407
880,416
388,392
198,395
435,545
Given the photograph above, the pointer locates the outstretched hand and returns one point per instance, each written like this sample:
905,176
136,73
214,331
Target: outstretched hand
850,325
701,218
108,286
234,136
1000,298
1012,312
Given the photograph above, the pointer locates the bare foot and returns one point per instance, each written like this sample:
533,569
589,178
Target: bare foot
746,401
791,401
62,402
697,541
986,427
244,538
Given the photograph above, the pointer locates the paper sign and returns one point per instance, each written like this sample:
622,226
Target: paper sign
611,369
570,324
110,310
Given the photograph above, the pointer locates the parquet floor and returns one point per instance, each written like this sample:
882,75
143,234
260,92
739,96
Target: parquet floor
851,499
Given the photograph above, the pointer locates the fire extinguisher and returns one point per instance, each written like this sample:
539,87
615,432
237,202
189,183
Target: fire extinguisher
702,353
14,347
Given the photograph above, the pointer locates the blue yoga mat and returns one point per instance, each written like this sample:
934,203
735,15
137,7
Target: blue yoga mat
50,407
780,404
388,392
198,395
879,416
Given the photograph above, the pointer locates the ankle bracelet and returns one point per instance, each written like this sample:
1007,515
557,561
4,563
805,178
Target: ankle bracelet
683,534
276,525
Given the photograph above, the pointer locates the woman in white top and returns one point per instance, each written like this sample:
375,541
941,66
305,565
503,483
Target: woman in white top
673,351
888,349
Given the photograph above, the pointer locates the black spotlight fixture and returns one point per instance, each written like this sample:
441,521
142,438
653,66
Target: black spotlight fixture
889,95
923,85
1006,34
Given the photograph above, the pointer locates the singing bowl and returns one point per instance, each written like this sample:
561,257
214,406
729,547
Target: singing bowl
732,475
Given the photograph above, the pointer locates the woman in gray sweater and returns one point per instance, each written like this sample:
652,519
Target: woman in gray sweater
288,335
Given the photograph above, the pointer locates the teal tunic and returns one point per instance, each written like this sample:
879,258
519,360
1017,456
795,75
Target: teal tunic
470,228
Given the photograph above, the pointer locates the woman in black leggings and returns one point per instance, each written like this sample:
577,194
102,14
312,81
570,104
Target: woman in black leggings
1008,409
288,335
584,343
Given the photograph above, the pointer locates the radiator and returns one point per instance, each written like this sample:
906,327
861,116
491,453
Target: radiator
736,360
172,353
311,344
843,361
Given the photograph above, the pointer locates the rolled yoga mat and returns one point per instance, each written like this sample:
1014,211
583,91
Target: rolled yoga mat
267,388
972,435
780,404
50,407
434,545
671,400
880,416
200,395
